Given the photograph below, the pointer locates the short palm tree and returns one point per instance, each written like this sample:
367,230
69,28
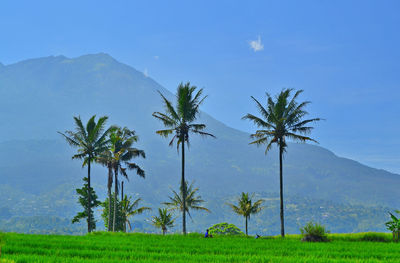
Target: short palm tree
118,156
179,123
164,220
281,119
246,207
91,140
193,201
130,208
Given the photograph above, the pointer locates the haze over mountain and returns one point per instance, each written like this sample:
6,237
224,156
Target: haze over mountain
39,97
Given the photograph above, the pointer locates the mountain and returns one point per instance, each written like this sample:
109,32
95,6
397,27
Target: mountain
39,97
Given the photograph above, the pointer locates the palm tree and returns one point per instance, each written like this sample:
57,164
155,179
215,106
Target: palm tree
192,201
246,208
121,150
281,119
130,208
163,220
91,140
106,159
179,122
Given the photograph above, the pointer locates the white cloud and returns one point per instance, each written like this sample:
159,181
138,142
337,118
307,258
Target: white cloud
156,57
256,45
145,72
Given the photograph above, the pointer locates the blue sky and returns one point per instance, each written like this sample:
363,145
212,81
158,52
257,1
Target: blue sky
344,54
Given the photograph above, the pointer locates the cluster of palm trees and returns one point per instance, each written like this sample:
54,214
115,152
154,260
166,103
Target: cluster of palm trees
282,118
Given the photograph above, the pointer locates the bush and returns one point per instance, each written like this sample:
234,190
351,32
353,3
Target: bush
314,232
224,229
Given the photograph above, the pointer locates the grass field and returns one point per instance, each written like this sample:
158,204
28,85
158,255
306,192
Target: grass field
105,247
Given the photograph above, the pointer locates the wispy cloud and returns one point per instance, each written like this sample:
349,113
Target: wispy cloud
256,45
156,57
145,72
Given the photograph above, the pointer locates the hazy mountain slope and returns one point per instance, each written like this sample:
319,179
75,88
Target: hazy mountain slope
38,97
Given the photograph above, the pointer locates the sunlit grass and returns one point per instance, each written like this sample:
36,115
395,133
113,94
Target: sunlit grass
118,247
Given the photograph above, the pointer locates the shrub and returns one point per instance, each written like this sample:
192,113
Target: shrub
314,232
224,229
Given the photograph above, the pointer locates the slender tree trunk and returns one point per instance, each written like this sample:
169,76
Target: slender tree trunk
89,212
246,225
115,198
122,198
281,187
110,174
183,185
163,231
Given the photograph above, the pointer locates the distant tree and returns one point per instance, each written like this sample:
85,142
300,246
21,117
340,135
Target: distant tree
164,220
108,212
118,157
394,226
129,209
83,201
225,229
193,201
246,207
282,118
91,140
179,122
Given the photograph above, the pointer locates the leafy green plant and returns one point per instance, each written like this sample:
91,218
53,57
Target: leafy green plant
1,242
394,226
164,220
83,201
314,232
225,229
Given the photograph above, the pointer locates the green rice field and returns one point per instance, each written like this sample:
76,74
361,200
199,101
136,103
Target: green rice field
107,247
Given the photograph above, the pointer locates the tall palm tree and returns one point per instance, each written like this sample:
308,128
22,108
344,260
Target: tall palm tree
281,119
179,122
122,152
106,159
164,220
246,207
91,140
130,208
193,201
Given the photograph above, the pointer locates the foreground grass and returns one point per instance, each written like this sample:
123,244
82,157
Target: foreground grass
106,247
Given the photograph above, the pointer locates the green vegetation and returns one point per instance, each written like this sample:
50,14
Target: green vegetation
116,247
91,141
225,229
246,207
394,226
83,201
179,122
192,200
281,119
314,232
164,220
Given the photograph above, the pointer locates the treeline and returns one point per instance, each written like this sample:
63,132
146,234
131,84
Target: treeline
280,119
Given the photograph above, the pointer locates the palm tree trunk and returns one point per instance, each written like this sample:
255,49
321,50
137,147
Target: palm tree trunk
115,199
163,231
89,212
281,187
246,225
109,185
183,185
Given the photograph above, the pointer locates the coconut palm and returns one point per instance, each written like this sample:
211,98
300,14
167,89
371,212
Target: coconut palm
179,123
91,140
106,159
121,153
130,208
164,220
281,119
246,207
193,201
